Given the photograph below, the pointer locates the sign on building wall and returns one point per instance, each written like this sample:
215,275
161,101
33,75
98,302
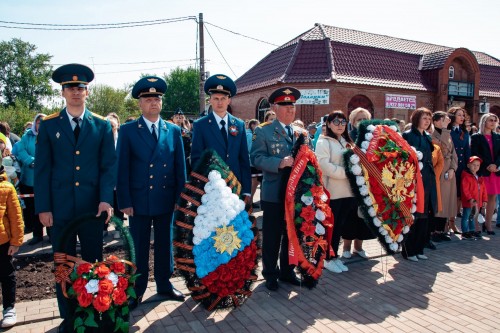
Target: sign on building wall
314,96
400,102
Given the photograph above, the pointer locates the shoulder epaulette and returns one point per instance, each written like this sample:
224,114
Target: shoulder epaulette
51,116
265,124
98,116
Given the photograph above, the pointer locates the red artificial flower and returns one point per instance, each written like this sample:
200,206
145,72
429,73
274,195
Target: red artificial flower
122,283
308,213
83,268
102,303
84,299
105,287
117,267
308,228
317,191
79,285
102,270
119,296
113,258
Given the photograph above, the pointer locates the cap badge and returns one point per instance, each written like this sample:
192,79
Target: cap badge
287,98
152,89
152,79
221,77
75,77
288,91
220,87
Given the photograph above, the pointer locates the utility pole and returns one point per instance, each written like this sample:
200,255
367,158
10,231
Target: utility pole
202,65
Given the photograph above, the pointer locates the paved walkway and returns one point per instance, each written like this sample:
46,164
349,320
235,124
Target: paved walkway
456,290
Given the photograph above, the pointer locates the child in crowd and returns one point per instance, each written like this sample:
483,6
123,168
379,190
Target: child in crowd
474,196
11,237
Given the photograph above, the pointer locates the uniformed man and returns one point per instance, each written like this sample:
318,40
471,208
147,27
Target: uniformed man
75,168
223,132
270,153
151,176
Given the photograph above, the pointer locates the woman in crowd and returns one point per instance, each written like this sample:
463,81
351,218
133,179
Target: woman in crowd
486,145
25,153
461,142
356,231
447,184
269,116
329,150
413,247
256,173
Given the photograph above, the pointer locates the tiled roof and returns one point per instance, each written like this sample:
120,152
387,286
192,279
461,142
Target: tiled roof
355,57
489,82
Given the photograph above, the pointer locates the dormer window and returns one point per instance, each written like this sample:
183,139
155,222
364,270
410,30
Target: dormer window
451,72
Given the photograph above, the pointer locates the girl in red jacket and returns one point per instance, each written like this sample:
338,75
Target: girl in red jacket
473,197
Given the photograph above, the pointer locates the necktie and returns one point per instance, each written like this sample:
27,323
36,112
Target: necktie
289,130
76,130
153,132
223,130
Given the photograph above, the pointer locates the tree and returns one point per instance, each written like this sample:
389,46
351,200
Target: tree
104,99
24,74
182,91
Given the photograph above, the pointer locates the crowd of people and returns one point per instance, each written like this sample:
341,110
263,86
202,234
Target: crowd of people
78,162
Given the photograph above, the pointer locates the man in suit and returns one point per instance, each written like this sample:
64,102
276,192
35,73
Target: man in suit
151,176
75,168
223,132
271,148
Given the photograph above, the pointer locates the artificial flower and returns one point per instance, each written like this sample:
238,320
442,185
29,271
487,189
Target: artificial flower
84,299
365,144
308,213
79,284
105,286
119,296
368,136
102,270
320,215
92,286
354,159
320,230
307,199
370,128
83,268
114,278
117,267
356,170
101,303
307,228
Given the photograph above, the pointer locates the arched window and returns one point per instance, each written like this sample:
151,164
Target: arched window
451,72
262,108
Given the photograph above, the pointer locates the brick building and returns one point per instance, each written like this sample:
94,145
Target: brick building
341,69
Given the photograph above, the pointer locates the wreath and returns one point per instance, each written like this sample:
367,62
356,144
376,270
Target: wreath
384,173
215,238
308,215
100,291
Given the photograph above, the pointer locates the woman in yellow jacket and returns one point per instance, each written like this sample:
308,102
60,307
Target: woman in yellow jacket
11,237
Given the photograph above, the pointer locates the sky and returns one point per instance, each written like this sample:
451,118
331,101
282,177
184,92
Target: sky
119,56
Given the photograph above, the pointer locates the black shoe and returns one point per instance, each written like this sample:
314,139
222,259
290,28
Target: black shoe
444,237
173,294
35,240
134,302
62,327
436,237
272,285
431,246
477,235
490,232
255,205
467,235
293,280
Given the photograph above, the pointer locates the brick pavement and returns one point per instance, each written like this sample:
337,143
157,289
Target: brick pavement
457,290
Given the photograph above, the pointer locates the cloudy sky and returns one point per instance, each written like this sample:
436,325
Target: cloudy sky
119,56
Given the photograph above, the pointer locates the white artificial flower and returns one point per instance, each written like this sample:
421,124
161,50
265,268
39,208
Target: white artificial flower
354,159
372,212
406,229
204,199
201,210
214,175
370,128
420,165
420,155
394,128
394,246
208,187
114,278
363,150
220,184
356,169
400,238
324,197
368,136
363,190
388,239
196,240
365,144
320,216
368,201
360,180
92,286
413,208
307,199
382,231
377,222
320,230
414,149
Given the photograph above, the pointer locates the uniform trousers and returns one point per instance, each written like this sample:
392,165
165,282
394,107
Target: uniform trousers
274,242
7,277
31,220
140,229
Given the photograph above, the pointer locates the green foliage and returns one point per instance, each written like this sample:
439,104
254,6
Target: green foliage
24,74
182,91
18,114
104,99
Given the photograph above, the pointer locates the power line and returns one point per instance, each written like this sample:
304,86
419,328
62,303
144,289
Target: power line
237,33
138,62
99,26
219,51
144,69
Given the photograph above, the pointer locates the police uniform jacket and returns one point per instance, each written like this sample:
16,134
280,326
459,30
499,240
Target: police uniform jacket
71,178
207,134
270,145
151,175
481,148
